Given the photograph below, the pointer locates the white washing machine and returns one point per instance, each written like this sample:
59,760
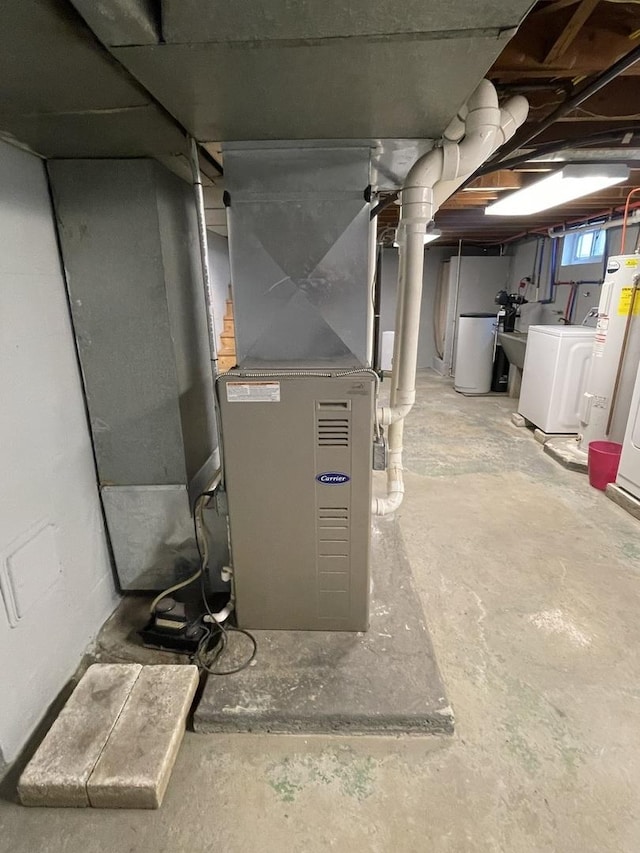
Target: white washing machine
556,366
629,470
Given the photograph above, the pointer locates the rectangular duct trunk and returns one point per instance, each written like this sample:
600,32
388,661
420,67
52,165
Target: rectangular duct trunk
128,234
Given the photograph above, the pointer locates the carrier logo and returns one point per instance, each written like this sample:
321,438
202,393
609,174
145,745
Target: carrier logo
333,478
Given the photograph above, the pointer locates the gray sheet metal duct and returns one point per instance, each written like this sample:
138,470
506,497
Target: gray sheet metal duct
128,235
299,245
315,69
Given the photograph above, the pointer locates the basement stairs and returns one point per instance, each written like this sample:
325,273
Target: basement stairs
227,347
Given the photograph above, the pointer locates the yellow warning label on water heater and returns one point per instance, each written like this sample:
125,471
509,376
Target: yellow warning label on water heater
631,262
624,305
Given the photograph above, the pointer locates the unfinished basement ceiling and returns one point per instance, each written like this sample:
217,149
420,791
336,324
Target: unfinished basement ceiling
562,46
135,76
315,69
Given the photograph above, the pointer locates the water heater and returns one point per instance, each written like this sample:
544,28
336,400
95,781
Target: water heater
615,356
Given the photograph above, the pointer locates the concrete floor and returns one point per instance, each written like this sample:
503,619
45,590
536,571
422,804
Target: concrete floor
531,586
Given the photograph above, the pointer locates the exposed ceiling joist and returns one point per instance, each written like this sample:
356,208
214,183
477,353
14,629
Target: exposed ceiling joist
501,180
554,7
559,55
570,31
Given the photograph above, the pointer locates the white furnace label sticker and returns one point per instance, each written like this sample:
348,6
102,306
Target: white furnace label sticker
253,392
599,344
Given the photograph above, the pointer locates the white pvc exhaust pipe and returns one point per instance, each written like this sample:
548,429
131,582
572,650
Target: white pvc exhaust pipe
469,140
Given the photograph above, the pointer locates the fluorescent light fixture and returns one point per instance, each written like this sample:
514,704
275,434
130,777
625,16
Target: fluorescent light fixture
573,181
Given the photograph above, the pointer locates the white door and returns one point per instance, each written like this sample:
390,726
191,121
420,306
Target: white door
629,471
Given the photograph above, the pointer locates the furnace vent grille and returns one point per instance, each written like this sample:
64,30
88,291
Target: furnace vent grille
333,523
333,432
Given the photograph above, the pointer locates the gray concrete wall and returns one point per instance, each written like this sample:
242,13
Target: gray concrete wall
434,257
522,264
56,581
432,261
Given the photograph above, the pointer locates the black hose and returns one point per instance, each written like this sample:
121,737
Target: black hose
384,204
602,137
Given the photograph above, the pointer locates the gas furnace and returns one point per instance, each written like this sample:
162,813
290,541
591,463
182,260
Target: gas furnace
298,479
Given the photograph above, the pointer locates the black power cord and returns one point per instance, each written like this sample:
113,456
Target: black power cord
225,630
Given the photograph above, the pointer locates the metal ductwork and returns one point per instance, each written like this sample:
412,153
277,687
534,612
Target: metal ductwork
319,69
299,246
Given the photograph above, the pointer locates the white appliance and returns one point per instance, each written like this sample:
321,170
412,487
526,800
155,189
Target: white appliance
606,402
629,470
474,353
466,284
556,365
386,351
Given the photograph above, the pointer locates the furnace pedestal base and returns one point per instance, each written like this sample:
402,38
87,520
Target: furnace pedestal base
384,681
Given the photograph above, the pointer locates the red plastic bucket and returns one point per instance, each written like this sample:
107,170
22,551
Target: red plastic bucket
604,458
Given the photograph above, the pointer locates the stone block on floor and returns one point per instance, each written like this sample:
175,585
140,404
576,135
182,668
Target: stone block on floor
135,766
116,740
567,453
59,771
624,499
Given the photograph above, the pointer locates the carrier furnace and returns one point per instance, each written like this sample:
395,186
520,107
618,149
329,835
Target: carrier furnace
297,414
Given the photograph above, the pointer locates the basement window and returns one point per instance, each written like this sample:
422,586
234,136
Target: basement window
583,247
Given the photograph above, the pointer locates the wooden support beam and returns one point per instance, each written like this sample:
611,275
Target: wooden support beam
502,180
597,44
553,7
619,100
569,33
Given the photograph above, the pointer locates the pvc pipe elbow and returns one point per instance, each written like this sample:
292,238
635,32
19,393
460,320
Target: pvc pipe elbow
512,115
456,128
484,95
450,161
425,171
388,415
388,504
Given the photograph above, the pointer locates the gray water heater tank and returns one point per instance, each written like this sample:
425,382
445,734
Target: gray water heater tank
474,353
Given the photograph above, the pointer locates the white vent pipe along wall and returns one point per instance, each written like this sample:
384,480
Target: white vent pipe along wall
475,133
